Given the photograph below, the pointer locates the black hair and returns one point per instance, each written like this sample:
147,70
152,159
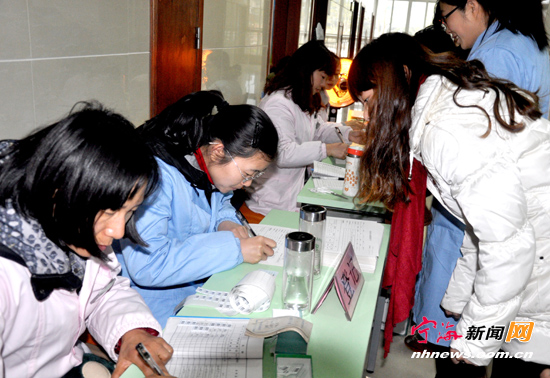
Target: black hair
65,174
525,17
435,39
202,117
295,78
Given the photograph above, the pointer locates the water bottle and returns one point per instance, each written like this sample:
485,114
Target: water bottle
313,220
351,179
298,271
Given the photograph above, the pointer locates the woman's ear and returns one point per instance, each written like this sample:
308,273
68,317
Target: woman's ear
472,6
217,152
407,73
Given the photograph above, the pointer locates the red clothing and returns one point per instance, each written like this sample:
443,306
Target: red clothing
405,253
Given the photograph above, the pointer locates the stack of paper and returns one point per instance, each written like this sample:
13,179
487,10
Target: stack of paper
328,176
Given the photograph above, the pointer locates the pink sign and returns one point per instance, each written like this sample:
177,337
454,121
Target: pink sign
348,281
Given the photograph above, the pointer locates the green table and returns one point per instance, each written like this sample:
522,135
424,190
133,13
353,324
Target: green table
349,206
338,347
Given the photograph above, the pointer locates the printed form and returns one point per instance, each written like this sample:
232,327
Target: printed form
212,348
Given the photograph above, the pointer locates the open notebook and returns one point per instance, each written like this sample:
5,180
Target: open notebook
224,347
366,237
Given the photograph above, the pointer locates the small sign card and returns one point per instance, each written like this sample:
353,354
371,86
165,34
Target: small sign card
348,281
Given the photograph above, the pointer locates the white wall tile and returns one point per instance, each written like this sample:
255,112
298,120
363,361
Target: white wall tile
16,100
54,53
78,27
59,83
14,30
138,26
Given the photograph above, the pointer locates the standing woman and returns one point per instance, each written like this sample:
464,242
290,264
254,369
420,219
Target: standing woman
205,149
510,40
66,192
293,102
486,150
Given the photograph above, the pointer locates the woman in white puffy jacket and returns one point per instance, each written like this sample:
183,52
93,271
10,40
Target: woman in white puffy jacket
66,192
486,151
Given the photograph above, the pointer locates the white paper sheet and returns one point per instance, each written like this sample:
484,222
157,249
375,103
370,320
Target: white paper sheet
212,348
366,237
324,169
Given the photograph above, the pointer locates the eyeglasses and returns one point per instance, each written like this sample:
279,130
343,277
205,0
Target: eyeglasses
444,18
245,178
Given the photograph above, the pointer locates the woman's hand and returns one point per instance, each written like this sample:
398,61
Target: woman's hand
454,315
459,359
357,136
338,150
238,230
160,350
355,124
257,248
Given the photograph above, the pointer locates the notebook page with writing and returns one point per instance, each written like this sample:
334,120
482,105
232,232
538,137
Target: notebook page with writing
212,347
278,234
332,184
366,237
324,169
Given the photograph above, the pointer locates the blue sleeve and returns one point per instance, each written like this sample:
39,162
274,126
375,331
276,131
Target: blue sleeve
183,245
226,210
501,63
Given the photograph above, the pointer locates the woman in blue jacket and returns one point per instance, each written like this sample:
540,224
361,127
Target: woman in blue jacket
205,149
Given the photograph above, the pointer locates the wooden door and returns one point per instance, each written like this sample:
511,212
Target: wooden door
176,50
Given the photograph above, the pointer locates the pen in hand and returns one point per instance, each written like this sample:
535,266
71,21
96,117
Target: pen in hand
245,223
339,133
144,353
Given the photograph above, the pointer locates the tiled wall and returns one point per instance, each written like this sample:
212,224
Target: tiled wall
235,48
54,53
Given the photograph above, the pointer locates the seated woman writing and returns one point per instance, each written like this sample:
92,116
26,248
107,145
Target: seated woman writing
293,102
205,149
66,192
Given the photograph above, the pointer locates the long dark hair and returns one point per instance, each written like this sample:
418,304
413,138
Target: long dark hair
525,17
380,66
296,76
202,117
66,173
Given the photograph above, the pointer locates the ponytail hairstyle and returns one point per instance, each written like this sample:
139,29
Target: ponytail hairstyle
244,130
296,77
380,66
66,173
203,117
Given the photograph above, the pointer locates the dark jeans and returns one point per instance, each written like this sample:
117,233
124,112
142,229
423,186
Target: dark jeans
445,368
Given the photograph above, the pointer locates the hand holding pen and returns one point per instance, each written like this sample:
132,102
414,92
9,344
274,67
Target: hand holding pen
255,248
128,355
339,133
245,223
149,360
